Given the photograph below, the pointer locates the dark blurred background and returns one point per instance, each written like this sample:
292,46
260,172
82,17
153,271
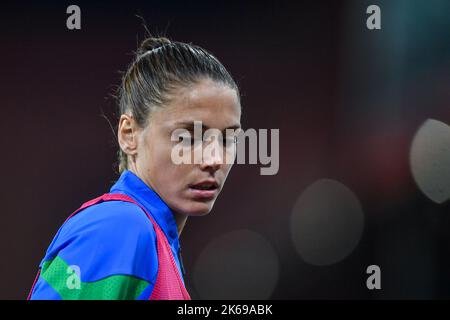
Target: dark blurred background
348,102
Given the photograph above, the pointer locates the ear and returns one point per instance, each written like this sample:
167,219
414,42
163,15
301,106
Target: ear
127,134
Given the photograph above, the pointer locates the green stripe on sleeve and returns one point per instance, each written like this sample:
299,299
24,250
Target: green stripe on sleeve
63,278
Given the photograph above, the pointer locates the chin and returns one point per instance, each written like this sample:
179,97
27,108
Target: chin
198,208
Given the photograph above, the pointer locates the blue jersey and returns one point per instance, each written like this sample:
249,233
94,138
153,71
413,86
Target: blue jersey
109,250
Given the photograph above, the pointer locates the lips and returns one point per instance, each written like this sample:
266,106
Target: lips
206,189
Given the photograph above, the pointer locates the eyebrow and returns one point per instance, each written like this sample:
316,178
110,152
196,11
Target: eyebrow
189,125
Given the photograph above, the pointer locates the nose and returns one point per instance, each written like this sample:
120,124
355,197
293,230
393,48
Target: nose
210,166
212,158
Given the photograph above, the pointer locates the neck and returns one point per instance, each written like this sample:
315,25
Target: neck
181,221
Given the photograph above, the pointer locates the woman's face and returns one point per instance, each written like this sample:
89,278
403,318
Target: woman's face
182,186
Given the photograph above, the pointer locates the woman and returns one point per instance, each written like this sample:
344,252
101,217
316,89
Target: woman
125,244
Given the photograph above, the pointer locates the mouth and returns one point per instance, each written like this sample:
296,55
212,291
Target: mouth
206,189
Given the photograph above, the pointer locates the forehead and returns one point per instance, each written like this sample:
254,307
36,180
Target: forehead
215,104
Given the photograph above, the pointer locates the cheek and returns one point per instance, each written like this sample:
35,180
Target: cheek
171,177
157,161
226,169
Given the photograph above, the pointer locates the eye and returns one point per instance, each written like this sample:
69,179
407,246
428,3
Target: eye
186,140
229,141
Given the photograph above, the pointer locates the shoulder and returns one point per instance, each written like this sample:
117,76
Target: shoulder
112,237
110,214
